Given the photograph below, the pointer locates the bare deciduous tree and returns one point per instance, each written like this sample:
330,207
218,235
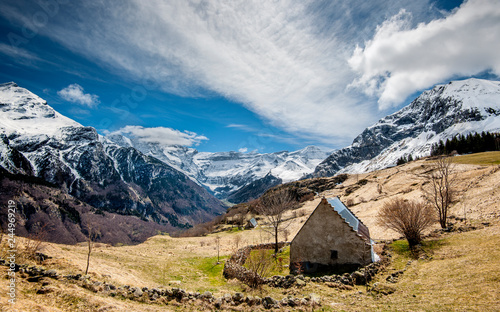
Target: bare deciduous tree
408,218
92,234
442,187
273,205
217,245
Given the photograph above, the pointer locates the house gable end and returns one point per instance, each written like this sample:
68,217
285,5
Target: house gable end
327,239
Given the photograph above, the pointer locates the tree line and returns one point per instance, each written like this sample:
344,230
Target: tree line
470,143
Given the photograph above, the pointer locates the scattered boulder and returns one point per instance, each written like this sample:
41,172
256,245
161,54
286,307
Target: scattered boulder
136,291
300,283
269,302
238,297
314,299
383,289
394,277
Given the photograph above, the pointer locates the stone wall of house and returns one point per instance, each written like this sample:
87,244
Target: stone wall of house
326,240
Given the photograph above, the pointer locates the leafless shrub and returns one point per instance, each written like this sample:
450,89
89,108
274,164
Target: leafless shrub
239,219
408,218
259,263
307,197
237,240
217,245
92,234
297,266
34,243
286,233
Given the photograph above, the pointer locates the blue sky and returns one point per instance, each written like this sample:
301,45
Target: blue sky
242,75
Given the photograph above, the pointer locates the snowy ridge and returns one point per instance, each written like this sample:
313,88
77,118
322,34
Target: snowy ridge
459,107
35,140
227,172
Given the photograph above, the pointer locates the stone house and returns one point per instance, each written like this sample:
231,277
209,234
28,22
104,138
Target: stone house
332,239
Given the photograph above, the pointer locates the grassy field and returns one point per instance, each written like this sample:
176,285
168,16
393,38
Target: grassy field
486,158
459,272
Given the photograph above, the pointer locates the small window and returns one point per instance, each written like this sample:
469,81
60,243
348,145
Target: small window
334,254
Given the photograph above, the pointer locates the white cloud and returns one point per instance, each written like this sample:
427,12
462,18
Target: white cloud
284,60
74,94
243,150
401,60
162,135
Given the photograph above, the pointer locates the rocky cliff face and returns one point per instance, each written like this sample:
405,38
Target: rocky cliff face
460,107
37,141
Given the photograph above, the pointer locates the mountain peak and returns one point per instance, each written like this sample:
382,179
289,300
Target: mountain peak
459,107
24,112
8,84
472,92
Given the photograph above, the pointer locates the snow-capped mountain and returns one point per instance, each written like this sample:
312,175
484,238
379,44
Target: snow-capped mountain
38,141
224,173
460,107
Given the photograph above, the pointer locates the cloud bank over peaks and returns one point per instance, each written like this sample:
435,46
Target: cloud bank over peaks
161,135
400,60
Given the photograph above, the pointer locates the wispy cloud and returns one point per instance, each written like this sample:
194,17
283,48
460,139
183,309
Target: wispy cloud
74,94
17,52
243,127
20,55
162,135
263,134
400,60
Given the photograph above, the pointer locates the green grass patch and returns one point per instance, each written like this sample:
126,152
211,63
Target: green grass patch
486,158
213,270
401,247
235,229
403,252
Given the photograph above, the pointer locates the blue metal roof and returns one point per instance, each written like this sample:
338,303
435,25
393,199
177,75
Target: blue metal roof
253,222
342,210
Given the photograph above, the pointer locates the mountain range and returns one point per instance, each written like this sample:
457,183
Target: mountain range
37,141
229,175
42,151
459,107
147,187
